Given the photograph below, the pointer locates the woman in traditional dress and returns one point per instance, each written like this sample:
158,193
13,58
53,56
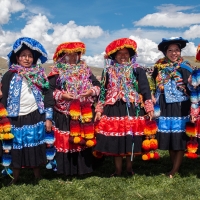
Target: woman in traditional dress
74,90
29,105
124,97
171,75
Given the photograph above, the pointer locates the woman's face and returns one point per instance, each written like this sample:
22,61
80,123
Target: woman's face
71,58
25,58
173,52
122,56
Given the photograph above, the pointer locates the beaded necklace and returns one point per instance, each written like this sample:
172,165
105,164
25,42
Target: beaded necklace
35,75
75,78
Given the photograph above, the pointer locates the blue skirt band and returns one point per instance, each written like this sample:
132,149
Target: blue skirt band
28,135
172,124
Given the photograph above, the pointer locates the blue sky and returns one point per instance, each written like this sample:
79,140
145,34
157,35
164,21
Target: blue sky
98,22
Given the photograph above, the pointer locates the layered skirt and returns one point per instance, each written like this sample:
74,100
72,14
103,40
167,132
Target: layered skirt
71,158
120,133
29,148
171,124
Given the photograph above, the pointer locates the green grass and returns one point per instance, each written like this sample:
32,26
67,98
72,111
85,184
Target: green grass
147,183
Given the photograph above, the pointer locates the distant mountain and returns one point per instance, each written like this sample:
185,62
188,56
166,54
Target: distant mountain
95,70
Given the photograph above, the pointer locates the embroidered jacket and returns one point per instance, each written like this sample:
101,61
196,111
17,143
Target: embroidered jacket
125,82
11,88
74,79
171,82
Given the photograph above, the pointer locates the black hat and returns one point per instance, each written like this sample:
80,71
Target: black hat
166,42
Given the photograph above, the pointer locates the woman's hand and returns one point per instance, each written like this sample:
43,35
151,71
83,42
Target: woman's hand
67,96
97,116
1,94
193,119
190,80
87,93
48,125
153,99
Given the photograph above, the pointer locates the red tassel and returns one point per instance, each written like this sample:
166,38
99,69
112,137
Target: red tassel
88,130
75,109
86,112
75,129
191,129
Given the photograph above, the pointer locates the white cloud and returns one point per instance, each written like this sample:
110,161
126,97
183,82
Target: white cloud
95,61
173,8
147,51
36,27
193,32
7,7
170,17
50,35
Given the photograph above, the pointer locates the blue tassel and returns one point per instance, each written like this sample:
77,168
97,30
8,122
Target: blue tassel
198,93
6,171
6,160
49,165
194,78
198,76
52,165
49,138
50,153
157,111
194,96
7,145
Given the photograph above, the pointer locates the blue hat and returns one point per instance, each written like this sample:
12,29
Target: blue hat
166,42
37,49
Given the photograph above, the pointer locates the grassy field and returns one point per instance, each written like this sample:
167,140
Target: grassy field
149,182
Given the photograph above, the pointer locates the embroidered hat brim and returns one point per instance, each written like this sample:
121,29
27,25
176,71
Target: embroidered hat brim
33,44
118,44
69,47
166,42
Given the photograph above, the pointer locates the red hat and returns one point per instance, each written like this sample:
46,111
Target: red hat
69,47
121,43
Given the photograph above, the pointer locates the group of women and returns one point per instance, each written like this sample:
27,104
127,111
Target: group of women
89,118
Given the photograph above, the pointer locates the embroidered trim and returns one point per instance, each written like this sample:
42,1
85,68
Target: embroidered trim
121,126
148,105
62,143
28,135
172,124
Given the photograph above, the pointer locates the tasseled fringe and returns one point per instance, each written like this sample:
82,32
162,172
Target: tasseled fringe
81,125
75,109
86,112
6,138
150,144
192,145
50,150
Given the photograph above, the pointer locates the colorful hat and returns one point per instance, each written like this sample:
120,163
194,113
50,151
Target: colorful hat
38,50
118,44
69,47
166,42
198,54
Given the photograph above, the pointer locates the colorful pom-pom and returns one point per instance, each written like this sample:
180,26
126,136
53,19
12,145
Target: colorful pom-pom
146,145
88,130
75,128
86,112
91,142
150,128
75,109
191,129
